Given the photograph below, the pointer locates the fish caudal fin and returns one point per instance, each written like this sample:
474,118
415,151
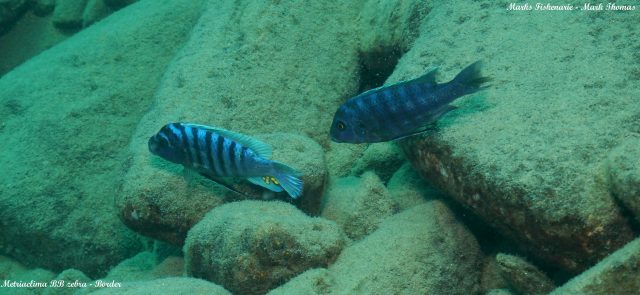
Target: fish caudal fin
470,78
288,179
282,178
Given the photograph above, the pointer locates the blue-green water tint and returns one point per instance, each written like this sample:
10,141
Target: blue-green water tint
543,164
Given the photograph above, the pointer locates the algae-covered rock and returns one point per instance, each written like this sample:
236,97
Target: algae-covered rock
67,116
168,210
307,157
18,277
408,189
71,280
146,266
94,11
422,250
619,273
382,158
250,247
522,276
317,281
358,204
67,14
250,77
623,169
165,286
525,154
9,12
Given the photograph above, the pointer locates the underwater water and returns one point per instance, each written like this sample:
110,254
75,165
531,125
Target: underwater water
319,147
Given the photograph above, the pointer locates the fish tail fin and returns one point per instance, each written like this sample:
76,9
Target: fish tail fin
470,79
288,178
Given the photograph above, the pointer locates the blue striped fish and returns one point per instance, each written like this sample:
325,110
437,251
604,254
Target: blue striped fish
218,153
403,109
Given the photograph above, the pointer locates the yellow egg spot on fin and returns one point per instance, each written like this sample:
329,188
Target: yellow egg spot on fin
270,179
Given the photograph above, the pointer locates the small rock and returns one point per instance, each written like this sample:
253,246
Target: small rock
623,167
9,12
384,158
619,273
166,286
500,292
14,271
522,276
491,277
250,247
136,268
358,204
43,7
315,281
172,266
408,189
94,11
118,3
70,277
67,14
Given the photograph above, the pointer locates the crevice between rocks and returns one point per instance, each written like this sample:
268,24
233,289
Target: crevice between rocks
376,65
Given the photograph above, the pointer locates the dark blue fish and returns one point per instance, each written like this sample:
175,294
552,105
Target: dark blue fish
218,153
403,109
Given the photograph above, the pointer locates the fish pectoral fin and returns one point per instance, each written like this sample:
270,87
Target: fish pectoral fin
441,111
262,149
224,183
268,182
430,127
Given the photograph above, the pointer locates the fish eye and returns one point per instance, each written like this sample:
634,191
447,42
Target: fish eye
340,125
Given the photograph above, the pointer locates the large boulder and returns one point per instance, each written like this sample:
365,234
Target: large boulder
526,155
242,69
250,247
67,116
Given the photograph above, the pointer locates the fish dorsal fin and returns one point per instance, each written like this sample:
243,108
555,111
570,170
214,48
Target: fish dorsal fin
260,148
429,78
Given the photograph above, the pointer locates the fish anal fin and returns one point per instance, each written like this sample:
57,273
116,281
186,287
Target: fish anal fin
441,111
268,182
224,183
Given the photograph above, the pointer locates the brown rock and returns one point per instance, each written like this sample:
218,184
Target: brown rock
250,247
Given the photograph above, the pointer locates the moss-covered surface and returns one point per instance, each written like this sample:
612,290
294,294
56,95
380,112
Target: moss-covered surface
67,116
250,247
527,153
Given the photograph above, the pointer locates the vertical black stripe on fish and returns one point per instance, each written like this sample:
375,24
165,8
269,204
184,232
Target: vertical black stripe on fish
243,160
202,149
389,103
405,108
379,113
237,159
195,147
363,110
420,98
220,155
210,152
232,158
185,143
175,132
